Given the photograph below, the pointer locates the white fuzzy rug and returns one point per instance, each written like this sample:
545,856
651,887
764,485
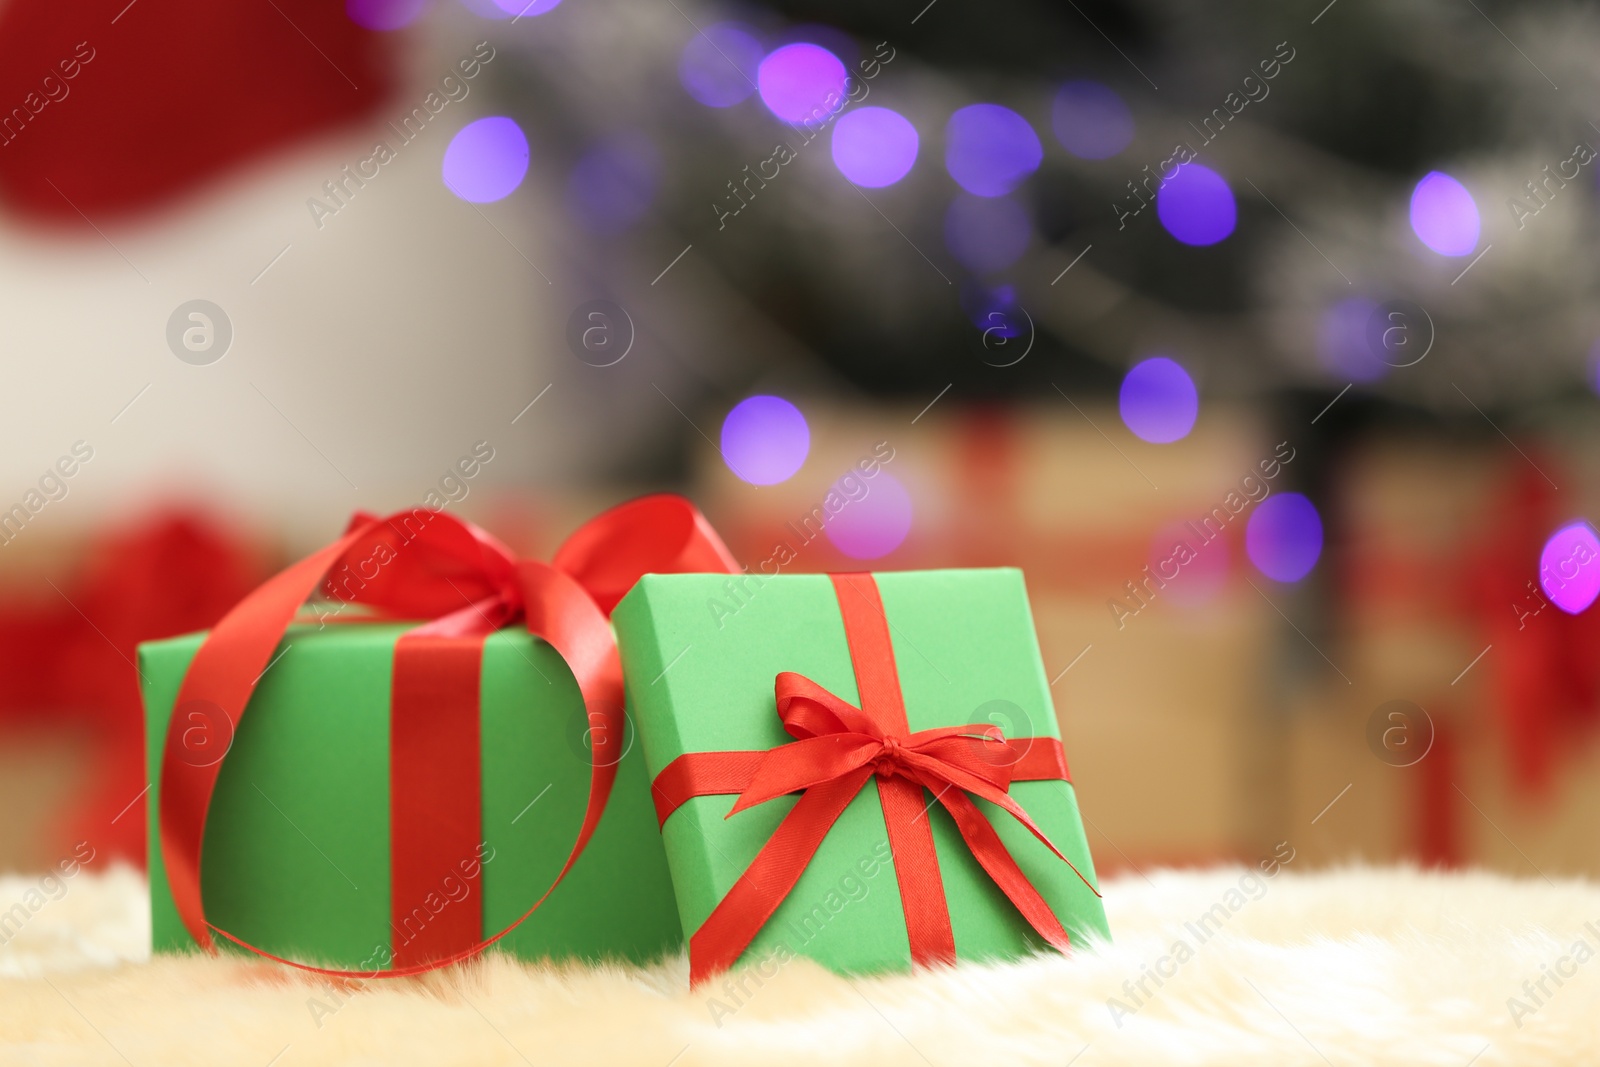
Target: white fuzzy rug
1363,966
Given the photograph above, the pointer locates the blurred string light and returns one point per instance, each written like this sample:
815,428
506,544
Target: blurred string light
486,160
1196,206
1569,567
874,146
1342,342
1444,216
993,309
384,15
1158,400
765,440
523,8
614,183
719,65
505,9
1284,537
797,80
1090,120
874,524
989,150
1201,569
986,234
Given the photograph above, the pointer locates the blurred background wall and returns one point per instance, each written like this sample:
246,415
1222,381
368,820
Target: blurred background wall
1259,335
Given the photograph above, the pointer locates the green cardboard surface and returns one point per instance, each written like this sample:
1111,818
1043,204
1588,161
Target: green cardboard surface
296,852
700,664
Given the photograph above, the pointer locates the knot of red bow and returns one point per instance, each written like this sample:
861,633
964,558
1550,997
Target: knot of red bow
834,738
423,564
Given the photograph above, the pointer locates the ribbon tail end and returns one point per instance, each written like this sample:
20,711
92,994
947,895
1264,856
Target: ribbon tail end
1081,878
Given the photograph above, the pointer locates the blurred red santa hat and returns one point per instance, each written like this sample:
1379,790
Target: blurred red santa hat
109,107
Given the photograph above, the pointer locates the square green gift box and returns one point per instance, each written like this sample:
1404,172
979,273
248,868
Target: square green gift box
297,853
862,769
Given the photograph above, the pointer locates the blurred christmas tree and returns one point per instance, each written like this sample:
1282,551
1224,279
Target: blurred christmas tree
1304,166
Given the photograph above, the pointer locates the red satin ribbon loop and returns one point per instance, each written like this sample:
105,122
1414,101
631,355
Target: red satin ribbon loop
465,584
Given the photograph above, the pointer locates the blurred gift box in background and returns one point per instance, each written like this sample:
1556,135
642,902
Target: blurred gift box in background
1299,463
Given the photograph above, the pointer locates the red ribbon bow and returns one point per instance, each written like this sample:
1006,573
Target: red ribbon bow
837,740
837,748
430,565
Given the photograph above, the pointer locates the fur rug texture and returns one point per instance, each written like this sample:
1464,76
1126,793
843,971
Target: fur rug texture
1355,966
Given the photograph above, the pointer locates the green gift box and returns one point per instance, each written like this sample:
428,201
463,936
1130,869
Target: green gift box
296,853
700,657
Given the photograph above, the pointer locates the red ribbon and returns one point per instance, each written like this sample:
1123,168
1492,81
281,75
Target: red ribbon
837,749
429,565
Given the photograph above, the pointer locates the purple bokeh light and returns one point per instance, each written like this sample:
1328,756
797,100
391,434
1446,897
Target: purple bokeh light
486,160
873,525
525,8
719,66
1195,572
802,82
615,182
1444,216
993,309
1158,400
1342,342
989,149
1090,120
986,234
1196,206
1284,537
384,15
509,9
874,147
765,440
1569,567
